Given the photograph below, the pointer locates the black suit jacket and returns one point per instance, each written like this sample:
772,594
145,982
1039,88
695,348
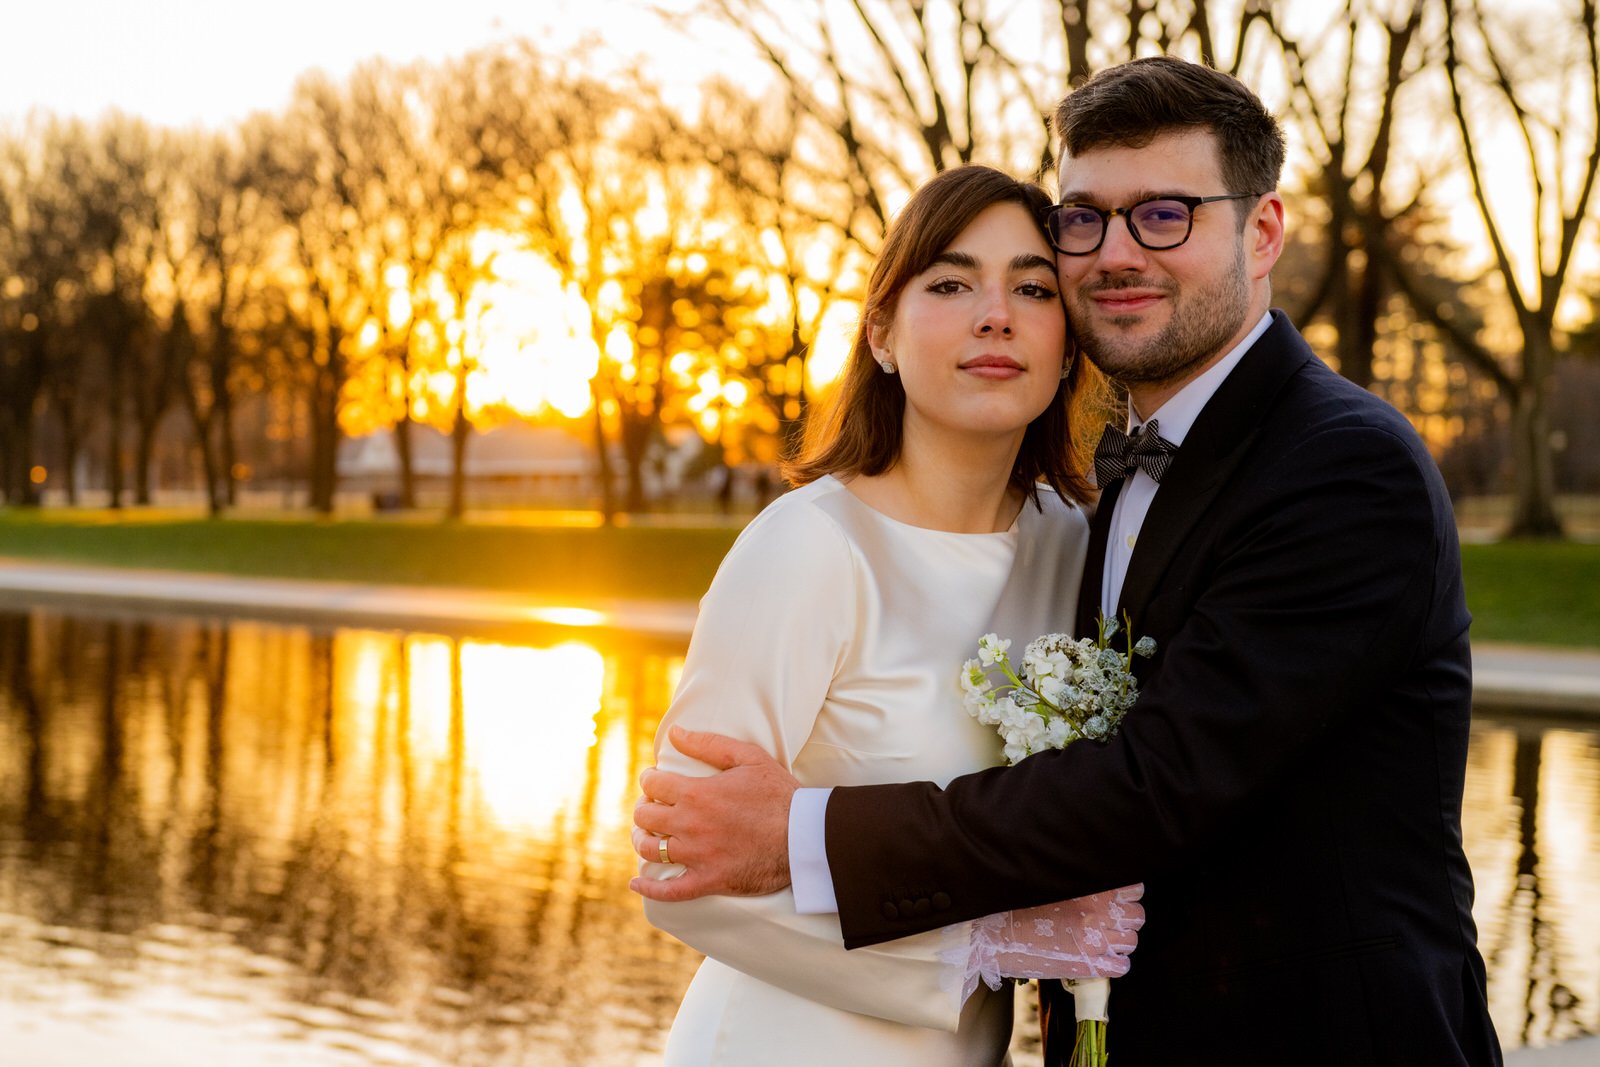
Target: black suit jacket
1288,786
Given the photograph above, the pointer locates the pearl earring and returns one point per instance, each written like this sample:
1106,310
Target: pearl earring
888,366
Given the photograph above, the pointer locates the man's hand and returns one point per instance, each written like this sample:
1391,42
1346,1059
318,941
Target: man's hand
730,830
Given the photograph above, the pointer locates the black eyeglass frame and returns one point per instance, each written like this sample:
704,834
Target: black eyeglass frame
1190,202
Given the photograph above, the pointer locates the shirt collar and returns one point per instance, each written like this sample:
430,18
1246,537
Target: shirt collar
1177,415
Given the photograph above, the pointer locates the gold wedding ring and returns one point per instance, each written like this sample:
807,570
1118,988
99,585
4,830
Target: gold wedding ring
661,849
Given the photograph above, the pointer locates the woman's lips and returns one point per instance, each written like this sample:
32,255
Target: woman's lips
997,368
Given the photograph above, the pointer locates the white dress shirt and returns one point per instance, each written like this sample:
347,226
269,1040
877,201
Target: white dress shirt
809,874
1174,418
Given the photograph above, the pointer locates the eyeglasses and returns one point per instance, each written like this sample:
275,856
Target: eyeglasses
1160,223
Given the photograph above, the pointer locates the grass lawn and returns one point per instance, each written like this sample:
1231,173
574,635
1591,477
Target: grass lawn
1534,592
628,561
1530,592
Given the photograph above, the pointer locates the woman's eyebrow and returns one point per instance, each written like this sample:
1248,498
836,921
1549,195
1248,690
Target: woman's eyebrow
1021,262
952,258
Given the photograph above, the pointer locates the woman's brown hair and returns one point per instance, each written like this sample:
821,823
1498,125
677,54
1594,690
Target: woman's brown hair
860,430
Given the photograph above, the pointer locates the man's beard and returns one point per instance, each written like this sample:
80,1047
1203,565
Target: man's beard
1200,325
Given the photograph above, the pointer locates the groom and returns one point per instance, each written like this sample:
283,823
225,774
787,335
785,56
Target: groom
1288,786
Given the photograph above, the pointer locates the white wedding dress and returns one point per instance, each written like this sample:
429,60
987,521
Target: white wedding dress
833,637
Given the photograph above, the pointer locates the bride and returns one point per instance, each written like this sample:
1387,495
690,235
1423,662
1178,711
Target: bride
941,502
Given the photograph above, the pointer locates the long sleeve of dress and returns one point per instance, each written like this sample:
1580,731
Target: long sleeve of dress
772,631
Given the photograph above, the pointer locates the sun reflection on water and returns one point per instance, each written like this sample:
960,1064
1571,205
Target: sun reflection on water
530,724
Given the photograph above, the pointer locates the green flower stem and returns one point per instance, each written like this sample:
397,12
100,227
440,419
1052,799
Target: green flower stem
1003,661
1089,1044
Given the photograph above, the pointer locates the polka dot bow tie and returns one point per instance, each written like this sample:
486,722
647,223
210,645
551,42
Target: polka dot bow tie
1118,454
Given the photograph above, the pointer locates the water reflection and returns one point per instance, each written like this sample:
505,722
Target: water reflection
263,845
346,848
1532,826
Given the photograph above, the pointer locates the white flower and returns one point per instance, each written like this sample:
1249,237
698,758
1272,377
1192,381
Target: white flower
973,678
1059,734
991,648
978,705
989,711
1054,690
1023,724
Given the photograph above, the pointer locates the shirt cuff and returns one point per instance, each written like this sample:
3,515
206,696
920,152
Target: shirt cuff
809,875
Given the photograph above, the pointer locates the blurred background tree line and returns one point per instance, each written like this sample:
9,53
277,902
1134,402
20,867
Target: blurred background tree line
517,236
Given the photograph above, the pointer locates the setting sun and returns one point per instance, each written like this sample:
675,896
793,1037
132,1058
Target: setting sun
530,336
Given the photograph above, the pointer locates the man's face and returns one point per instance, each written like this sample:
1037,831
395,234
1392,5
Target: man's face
1158,318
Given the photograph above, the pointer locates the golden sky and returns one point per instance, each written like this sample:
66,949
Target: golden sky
178,62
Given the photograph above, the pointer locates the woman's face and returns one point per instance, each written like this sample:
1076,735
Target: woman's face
979,337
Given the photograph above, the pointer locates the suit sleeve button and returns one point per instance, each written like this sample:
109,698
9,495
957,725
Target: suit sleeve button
924,906
889,910
941,902
907,907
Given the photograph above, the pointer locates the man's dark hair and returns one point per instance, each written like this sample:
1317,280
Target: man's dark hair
1129,105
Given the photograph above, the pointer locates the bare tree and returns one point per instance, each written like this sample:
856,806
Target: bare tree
556,145
39,274
1347,111
146,164
889,92
1530,85
227,228
326,182
434,206
779,199
84,214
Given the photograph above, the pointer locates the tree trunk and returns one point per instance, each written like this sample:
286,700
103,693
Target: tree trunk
460,429
1533,512
635,441
323,446
19,458
208,469
114,474
216,436
71,448
8,456
69,468
608,504
144,458
326,384
227,453
1369,294
403,451
791,428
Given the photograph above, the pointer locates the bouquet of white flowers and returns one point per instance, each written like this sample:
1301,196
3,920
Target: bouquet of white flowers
1068,690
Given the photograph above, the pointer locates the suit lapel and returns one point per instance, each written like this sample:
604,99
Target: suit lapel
1094,563
1220,437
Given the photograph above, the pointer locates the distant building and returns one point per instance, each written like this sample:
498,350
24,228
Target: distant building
519,463
535,461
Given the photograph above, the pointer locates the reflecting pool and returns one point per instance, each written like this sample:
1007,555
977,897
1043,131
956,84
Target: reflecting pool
229,842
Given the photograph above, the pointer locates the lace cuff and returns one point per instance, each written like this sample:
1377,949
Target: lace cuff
1088,937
